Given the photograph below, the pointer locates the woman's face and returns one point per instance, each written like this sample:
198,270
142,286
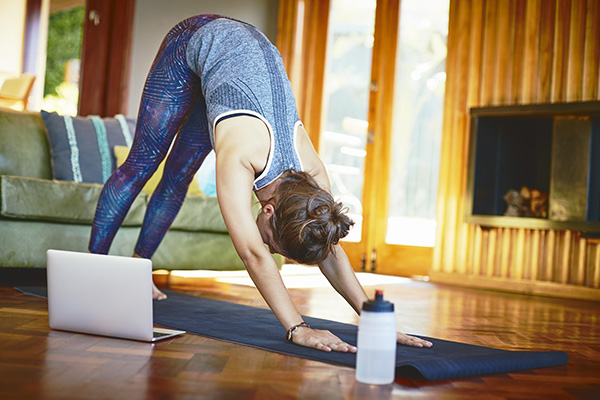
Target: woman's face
263,222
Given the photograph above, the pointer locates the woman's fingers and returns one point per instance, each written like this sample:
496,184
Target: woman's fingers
412,341
326,341
322,347
343,347
321,340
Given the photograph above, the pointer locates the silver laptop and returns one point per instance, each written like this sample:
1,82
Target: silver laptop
102,295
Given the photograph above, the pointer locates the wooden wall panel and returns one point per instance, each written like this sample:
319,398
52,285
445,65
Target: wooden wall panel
531,51
560,55
544,67
576,51
591,57
517,50
508,53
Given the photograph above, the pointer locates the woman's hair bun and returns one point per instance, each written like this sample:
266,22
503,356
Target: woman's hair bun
307,222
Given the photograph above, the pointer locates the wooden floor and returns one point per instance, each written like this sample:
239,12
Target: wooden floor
37,363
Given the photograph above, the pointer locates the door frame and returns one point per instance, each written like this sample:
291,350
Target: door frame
301,39
105,57
372,253
105,53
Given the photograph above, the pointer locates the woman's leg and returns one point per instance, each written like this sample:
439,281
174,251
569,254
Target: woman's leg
169,94
189,151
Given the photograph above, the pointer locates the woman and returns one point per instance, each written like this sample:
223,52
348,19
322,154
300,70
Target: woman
219,83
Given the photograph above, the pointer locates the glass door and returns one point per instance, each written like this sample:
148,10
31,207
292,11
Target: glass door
416,131
382,114
343,140
63,57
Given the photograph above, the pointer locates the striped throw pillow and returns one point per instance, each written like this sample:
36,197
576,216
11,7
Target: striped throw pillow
82,146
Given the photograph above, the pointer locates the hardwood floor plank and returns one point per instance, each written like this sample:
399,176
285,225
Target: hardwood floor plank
38,363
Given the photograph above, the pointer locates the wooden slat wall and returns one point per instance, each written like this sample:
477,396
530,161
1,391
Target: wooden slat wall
508,52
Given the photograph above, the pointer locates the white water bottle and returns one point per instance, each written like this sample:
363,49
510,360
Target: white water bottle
376,356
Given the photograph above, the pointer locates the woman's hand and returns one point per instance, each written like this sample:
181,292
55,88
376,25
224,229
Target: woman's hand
327,341
320,340
412,341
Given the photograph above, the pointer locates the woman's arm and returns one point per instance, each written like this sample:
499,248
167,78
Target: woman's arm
235,175
336,267
234,187
339,273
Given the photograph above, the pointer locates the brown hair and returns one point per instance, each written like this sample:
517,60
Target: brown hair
307,221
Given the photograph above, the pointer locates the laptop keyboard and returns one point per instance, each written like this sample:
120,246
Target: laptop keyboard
159,334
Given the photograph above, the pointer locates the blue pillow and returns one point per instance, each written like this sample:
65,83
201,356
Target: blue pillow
82,146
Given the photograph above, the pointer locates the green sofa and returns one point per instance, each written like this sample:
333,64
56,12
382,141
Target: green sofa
38,213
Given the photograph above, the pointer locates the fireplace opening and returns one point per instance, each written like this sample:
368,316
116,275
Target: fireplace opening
535,166
511,154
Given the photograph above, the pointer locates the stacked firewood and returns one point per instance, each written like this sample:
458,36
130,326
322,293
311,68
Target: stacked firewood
526,203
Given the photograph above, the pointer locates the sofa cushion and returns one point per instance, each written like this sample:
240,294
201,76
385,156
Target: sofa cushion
46,200
24,149
200,214
82,147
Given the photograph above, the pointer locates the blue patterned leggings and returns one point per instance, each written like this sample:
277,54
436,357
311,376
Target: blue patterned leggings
172,109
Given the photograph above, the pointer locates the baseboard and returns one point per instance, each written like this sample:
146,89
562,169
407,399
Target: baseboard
12,276
539,288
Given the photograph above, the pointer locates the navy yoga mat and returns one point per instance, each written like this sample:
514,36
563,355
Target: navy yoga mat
259,328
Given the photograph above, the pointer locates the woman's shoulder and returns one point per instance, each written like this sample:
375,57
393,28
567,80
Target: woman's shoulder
311,162
244,138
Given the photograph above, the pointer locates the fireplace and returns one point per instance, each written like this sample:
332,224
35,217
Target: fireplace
550,150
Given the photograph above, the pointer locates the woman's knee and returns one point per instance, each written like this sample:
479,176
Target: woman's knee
135,174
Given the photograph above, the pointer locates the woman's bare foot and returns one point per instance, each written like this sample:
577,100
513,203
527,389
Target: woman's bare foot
157,294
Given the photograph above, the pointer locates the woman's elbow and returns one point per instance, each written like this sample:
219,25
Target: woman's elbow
254,260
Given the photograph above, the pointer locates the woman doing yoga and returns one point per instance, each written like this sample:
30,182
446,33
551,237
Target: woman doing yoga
219,83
